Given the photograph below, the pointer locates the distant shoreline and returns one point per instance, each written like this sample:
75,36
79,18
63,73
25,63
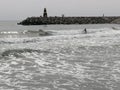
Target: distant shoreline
70,20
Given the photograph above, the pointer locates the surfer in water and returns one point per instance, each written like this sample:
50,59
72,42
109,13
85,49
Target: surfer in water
85,31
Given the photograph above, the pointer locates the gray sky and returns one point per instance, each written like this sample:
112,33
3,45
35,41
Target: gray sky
20,9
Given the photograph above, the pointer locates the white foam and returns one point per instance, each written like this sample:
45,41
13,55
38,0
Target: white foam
14,63
74,38
9,32
41,62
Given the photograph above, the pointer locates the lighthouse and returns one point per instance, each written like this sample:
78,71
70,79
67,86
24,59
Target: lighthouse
45,13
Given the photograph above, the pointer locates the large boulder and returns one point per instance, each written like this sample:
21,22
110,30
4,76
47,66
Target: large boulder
116,21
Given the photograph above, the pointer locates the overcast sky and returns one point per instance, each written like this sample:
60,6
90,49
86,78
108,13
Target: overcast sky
20,9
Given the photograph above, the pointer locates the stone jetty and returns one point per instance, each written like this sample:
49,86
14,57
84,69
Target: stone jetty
68,20
45,20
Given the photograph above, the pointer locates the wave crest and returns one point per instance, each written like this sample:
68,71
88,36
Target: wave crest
18,52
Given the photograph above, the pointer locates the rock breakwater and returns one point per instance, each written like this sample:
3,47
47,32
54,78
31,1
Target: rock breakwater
67,20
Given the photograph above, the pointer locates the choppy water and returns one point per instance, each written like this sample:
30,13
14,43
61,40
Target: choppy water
66,60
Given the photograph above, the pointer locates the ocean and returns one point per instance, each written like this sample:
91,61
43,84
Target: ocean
67,59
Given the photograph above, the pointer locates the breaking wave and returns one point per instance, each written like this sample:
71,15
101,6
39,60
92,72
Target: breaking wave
17,52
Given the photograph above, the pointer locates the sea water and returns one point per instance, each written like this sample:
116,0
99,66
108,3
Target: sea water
67,59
